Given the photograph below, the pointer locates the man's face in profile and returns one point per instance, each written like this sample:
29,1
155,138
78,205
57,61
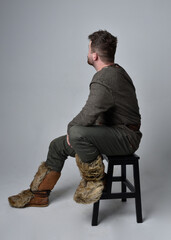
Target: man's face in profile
89,56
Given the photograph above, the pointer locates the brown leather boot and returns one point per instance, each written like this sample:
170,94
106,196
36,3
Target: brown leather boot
40,188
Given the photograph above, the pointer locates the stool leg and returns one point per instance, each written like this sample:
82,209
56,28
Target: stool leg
95,213
123,186
109,177
137,193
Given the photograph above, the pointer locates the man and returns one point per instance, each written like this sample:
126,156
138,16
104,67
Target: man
108,124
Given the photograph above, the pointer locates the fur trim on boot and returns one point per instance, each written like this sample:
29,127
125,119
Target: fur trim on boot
21,199
43,170
91,171
89,191
92,184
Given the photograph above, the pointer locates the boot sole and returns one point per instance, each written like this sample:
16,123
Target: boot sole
37,205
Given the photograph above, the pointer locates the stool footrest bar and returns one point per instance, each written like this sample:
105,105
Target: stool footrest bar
117,195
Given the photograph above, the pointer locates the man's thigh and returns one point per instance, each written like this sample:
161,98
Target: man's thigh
108,140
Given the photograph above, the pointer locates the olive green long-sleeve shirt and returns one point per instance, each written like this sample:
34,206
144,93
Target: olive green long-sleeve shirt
112,100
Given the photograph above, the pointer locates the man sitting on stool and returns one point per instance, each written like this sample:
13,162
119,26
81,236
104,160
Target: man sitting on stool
108,124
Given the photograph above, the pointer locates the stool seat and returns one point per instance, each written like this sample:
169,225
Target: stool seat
134,188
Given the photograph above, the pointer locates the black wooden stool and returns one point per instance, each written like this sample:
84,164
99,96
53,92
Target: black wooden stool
135,192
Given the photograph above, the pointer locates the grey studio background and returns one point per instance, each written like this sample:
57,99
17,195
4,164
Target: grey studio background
44,83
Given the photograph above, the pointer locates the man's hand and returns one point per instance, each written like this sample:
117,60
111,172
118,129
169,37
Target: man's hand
68,141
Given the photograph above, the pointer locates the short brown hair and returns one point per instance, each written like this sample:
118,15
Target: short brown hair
104,43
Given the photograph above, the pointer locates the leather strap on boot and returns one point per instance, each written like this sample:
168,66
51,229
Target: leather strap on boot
44,193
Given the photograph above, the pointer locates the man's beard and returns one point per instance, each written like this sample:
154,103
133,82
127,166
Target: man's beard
89,61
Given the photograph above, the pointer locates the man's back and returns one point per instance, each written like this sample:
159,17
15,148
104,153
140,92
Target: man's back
120,87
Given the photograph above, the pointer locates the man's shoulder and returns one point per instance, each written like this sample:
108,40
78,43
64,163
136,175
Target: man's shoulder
107,74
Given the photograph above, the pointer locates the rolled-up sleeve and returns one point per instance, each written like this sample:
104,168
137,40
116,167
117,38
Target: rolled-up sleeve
100,99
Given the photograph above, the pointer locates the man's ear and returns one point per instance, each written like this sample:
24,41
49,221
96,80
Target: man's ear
95,56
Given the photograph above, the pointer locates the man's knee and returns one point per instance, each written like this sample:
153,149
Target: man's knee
52,144
76,133
57,143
